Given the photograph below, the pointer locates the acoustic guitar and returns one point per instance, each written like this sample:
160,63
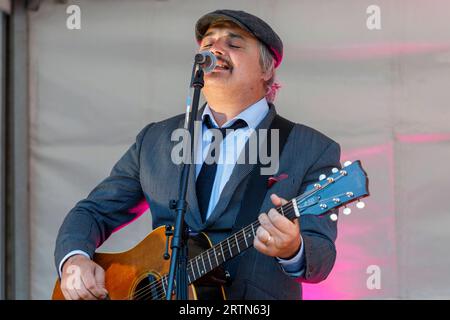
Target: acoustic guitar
141,273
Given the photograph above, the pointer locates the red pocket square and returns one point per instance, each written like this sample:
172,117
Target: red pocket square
272,180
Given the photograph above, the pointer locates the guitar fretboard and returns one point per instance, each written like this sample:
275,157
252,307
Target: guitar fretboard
230,247
313,201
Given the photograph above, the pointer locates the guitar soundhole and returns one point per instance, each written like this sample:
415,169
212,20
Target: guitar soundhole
148,289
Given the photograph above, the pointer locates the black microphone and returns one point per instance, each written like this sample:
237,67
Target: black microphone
206,60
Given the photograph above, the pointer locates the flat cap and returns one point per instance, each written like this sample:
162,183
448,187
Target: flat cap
254,25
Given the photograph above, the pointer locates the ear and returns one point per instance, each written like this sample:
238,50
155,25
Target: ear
267,75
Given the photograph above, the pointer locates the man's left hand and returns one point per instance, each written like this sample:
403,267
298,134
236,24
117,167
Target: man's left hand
277,236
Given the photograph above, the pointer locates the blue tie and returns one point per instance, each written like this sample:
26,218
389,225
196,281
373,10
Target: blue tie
205,179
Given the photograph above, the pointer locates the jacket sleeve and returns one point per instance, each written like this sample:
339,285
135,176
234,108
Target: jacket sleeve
319,232
109,206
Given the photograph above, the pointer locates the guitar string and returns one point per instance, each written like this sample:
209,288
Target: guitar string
241,239
159,288
161,293
158,284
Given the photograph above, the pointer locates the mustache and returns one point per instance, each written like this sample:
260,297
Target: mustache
222,59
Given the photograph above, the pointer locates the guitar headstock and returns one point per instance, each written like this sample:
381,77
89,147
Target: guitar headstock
340,188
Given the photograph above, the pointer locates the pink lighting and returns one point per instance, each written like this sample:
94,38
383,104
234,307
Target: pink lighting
137,210
372,51
360,231
423,138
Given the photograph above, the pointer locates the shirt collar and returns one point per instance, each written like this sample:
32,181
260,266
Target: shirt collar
252,115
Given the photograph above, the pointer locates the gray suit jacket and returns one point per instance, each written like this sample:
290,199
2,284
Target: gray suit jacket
146,171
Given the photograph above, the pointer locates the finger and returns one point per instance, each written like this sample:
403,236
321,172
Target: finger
297,225
66,293
68,288
95,290
99,274
73,294
281,224
277,201
262,235
85,293
266,223
261,247
88,289
63,289
86,285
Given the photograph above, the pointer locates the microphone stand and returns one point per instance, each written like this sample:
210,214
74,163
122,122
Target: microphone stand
179,258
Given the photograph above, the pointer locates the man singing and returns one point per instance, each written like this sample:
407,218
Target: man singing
239,93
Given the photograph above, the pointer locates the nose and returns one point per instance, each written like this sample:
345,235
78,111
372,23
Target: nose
218,48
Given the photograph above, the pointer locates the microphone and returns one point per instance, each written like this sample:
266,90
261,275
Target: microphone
206,60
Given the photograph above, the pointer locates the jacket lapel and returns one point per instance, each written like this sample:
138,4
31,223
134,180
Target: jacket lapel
240,172
192,218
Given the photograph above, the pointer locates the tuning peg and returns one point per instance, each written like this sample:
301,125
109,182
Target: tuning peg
322,177
360,204
336,200
347,211
335,170
333,217
347,163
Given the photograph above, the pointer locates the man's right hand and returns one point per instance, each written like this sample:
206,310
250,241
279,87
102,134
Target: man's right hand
83,279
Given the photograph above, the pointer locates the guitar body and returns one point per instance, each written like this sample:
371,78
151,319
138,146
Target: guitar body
129,274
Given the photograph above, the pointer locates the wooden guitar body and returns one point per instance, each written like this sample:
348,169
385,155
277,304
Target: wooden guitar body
129,274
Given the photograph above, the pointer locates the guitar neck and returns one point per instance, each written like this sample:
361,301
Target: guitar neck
346,185
230,247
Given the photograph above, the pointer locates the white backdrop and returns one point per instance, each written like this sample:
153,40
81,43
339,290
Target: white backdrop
383,94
